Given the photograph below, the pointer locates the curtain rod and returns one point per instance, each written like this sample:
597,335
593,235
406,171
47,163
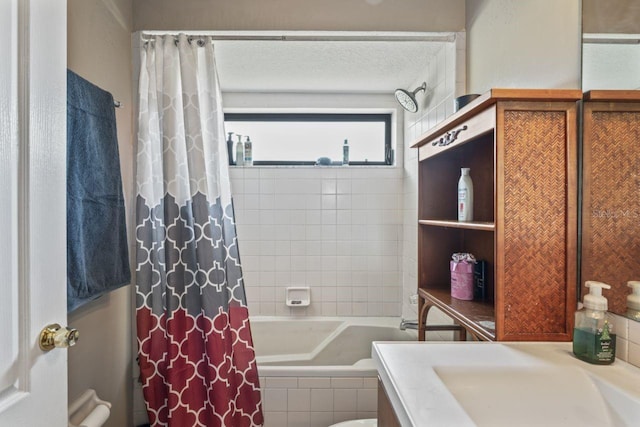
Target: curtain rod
445,37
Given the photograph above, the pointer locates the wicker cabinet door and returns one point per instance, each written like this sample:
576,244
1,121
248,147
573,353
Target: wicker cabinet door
611,197
536,221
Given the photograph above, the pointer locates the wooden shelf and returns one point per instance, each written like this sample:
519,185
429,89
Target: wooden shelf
472,225
613,95
478,317
497,136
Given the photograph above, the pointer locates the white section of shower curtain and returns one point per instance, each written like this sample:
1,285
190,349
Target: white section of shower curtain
180,111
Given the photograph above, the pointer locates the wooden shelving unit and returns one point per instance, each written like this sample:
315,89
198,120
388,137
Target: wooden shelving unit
521,148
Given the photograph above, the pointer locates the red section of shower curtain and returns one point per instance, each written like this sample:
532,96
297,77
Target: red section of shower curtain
198,371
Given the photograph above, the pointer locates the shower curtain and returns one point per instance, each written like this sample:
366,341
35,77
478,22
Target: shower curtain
196,357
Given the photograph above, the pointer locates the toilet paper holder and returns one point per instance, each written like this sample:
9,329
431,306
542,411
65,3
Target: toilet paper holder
88,410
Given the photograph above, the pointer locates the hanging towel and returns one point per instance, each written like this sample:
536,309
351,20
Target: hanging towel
97,253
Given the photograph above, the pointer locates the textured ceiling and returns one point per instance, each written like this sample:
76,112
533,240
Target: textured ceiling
321,66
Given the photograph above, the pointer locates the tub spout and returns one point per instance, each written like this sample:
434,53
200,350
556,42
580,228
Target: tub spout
408,324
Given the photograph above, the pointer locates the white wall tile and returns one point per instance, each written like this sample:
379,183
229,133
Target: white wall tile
299,399
322,399
298,419
314,382
345,399
634,354
622,349
634,332
274,399
367,400
275,418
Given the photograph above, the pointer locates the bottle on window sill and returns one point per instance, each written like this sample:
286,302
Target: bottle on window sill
239,151
230,148
345,153
248,159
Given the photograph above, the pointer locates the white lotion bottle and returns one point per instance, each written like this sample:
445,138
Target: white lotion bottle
465,196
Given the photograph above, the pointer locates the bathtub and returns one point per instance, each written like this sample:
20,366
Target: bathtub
316,371
313,345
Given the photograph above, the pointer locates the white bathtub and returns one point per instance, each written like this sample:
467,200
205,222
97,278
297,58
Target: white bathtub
321,346
317,371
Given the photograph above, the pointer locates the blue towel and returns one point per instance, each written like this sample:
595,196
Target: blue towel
97,253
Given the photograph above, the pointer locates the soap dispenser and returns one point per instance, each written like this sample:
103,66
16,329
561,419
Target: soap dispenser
633,300
239,151
230,148
593,337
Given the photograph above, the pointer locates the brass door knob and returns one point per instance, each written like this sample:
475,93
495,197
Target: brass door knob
55,336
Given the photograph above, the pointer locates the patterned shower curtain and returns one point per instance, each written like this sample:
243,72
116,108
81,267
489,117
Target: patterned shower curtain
196,355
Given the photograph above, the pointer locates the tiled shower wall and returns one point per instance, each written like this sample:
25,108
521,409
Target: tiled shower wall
446,77
627,340
334,229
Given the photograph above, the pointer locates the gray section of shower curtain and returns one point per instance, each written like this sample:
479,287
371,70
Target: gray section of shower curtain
187,257
97,253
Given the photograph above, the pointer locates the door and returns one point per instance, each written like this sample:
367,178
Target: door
33,384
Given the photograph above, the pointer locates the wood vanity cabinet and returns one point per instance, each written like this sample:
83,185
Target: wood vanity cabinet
611,191
521,148
386,415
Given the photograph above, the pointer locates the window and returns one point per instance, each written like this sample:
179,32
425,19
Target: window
301,139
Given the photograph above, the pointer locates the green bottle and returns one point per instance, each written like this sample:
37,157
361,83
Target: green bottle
594,340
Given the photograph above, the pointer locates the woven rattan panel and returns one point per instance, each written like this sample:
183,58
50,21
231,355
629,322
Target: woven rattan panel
614,211
535,222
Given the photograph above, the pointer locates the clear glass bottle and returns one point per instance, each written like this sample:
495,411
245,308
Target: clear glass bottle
594,340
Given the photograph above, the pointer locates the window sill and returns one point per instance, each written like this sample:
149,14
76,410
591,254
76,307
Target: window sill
337,167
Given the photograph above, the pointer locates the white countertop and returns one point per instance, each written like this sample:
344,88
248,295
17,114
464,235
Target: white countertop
428,382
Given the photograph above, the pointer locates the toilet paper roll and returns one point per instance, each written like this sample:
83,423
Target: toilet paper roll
97,417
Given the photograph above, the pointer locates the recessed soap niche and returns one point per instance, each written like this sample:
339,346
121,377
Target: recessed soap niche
298,296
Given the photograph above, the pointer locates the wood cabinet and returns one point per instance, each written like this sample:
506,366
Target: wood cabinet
521,148
386,415
611,192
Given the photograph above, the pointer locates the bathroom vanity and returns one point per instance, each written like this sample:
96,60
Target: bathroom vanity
521,146
472,384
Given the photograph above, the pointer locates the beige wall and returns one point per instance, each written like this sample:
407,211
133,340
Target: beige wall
524,43
611,16
99,49
325,15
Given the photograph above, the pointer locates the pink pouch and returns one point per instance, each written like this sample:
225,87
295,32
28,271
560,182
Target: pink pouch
462,280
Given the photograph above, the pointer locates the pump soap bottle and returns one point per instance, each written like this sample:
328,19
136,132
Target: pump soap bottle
593,337
230,148
239,151
248,156
633,301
